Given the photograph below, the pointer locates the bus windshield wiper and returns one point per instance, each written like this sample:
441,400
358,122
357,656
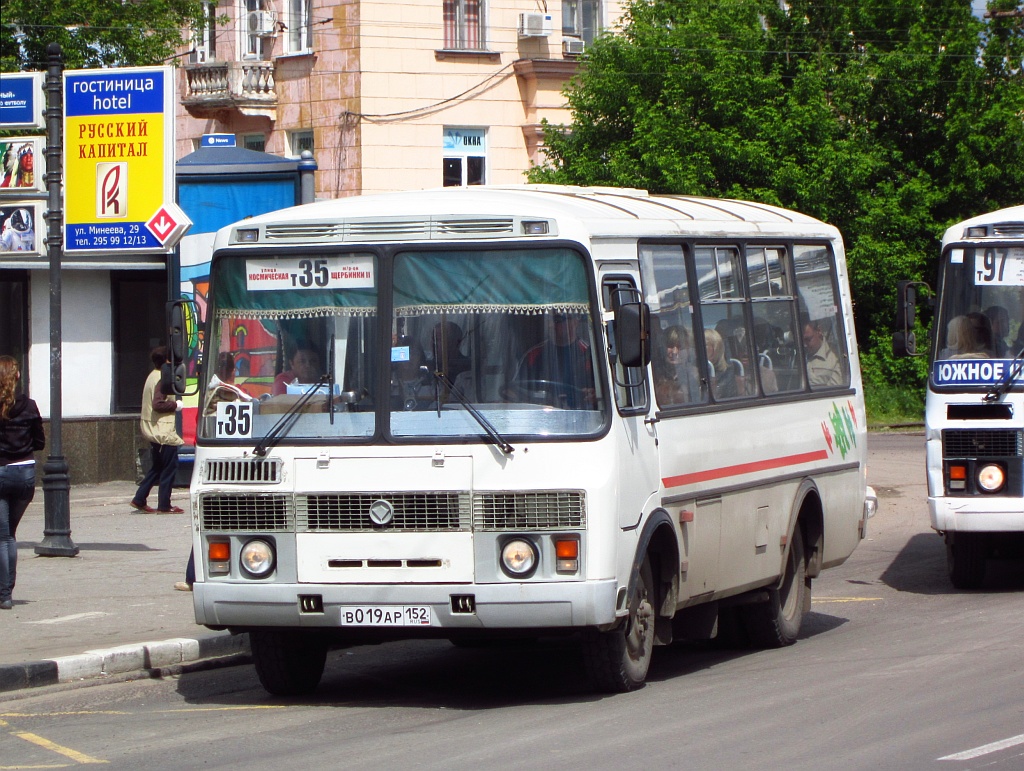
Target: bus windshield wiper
287,420
485,424
1000,388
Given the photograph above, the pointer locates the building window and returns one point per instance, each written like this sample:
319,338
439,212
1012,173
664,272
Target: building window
299,141
465,157
252,43
257,142
581,18
463,25
204,40
138,299
299,26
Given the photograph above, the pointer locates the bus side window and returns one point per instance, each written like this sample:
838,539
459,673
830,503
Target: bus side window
776,332
677,361
821,327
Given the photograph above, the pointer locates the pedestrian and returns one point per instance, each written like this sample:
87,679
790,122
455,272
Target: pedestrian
21,434
157,423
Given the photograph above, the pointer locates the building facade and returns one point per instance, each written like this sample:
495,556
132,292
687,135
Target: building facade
389,96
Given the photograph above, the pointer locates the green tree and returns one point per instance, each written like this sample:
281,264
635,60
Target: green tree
93,33
888,118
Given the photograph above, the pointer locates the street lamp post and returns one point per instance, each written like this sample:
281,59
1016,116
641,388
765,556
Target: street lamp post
56,483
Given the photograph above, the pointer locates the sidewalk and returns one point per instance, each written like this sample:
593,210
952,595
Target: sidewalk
111,609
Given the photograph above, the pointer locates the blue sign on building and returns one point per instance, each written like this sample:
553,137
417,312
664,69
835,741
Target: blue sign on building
21,100
218,140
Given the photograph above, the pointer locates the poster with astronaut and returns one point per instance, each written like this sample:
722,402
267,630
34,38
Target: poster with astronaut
22,164
21,228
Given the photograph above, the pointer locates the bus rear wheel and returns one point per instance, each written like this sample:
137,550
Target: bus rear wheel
288,663
965,559
776,623
617,661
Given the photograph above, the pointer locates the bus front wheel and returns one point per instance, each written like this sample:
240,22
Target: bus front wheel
288,663
965,559
617,660
776,623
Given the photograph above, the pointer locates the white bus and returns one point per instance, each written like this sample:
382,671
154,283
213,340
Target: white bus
975,450
524,411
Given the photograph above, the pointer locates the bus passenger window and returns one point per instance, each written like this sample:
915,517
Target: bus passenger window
821,326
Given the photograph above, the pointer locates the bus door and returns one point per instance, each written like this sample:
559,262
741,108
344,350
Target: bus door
638,452
681,390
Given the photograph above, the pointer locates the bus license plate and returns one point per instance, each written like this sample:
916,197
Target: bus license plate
386,615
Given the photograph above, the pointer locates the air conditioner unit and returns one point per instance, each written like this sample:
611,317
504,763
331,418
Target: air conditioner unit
534,24
199,55
262,23
573,46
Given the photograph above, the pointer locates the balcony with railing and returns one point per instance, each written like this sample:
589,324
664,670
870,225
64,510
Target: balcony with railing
246,86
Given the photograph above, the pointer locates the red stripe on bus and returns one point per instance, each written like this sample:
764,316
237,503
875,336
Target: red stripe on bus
744,468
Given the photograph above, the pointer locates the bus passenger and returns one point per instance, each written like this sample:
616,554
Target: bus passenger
999,320
727,374
675,372
303,367
968,337
222,386
823,366
561,365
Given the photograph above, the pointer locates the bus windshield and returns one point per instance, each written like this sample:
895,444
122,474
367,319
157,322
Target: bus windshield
298,339
979,323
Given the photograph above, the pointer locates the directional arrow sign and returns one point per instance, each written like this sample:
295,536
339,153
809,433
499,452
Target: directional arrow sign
168,225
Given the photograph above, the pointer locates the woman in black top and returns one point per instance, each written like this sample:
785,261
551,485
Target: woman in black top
21,434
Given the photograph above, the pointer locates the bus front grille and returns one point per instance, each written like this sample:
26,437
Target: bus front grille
243,471
246,513
548,510
974,443
409,511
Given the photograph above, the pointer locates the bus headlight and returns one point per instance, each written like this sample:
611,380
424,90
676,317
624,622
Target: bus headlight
518,558
991,478
257,558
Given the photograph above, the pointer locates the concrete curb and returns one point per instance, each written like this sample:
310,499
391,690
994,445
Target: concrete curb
123,659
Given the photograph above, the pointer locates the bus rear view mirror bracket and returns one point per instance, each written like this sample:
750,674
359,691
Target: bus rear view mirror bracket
633,333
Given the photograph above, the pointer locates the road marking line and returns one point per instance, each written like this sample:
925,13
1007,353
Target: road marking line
985,749
46,744
845,599
73,617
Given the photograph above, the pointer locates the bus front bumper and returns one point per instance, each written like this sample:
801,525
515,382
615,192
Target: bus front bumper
493,606
977,514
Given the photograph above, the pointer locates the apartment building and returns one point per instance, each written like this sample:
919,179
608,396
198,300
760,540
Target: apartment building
388,94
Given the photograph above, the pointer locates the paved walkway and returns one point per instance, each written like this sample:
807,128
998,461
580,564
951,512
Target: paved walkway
112,608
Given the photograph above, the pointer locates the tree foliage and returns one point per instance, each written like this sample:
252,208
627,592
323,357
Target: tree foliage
890,119
93,33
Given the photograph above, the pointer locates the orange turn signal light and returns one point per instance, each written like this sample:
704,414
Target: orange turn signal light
567,550
220,551
958,472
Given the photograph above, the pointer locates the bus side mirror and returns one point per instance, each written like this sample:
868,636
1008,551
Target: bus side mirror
904,340
177,347
633,334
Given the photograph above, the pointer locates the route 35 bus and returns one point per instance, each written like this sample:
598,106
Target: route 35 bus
524,411
974,402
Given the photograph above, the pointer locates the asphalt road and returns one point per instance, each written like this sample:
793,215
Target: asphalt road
895,669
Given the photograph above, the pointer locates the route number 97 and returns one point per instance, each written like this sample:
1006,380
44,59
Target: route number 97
234,420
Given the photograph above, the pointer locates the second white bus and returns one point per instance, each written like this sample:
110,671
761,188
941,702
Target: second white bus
524,411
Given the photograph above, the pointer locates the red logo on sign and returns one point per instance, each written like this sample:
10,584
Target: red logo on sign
162,225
